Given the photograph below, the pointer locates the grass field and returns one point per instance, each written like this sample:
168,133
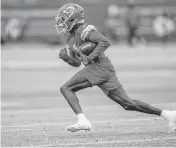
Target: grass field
35,114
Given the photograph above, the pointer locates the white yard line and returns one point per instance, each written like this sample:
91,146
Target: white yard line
86,107
14,130
100,121
115,141
107,142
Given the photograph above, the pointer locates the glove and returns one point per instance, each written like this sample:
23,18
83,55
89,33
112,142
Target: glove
83,58
64,55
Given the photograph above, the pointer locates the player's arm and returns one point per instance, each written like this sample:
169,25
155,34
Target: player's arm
70,59
102,43
74,61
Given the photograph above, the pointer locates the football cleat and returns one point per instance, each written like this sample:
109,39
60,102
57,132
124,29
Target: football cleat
86,126
172,121
172,127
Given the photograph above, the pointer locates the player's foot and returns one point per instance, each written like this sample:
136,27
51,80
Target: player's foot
83,125
171,117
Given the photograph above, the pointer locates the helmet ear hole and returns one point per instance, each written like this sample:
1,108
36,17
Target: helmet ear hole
82,11
71,20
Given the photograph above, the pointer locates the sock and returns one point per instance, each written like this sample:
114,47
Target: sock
81,117
165,113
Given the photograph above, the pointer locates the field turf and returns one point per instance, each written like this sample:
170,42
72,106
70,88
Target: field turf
35,114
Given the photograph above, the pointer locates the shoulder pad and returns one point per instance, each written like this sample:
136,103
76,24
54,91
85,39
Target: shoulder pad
86,31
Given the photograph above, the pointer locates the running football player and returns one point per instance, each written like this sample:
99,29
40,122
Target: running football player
98,68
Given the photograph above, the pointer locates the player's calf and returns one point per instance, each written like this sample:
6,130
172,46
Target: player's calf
135,106
130,106
69,95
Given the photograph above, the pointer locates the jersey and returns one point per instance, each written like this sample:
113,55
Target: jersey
87,32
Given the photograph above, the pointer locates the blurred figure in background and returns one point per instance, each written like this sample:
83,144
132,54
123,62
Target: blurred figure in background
163,26
111,22
132,22
15,29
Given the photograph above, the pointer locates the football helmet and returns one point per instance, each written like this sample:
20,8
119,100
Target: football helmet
68,15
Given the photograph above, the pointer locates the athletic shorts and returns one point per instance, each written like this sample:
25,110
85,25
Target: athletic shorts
102,76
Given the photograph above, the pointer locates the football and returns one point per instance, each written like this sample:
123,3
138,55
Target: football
87,48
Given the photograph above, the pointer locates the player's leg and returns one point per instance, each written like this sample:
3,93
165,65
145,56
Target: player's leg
91,75
119,96
76,83
114,90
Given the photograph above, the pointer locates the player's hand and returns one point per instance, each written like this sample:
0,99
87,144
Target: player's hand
84,59
64,55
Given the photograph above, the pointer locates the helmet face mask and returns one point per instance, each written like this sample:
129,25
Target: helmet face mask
61,28
68,15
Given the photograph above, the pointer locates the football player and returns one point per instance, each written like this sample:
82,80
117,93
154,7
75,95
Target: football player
98,68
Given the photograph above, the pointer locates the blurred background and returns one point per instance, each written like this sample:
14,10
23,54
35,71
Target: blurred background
33,20
143,52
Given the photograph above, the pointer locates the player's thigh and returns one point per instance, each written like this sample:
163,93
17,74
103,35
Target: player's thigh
78,80
80,86
119,95
111,83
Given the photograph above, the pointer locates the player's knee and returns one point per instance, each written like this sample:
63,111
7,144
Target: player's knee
63,88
